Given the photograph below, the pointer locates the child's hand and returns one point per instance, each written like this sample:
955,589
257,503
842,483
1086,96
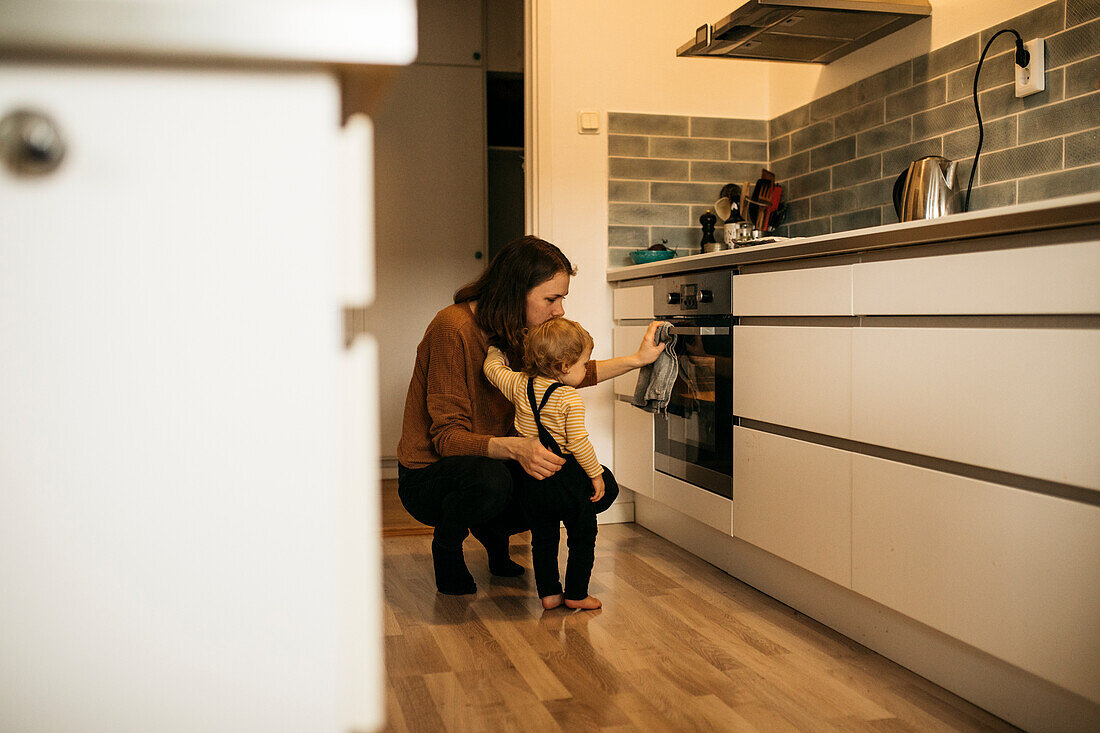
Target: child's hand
597,485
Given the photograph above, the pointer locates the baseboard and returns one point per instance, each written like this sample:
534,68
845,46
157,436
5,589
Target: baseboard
621,512
389,468
1017,696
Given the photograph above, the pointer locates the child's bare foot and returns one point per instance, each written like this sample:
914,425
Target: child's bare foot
591,603
549,602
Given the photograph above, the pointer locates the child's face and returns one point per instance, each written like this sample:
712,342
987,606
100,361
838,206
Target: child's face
574,375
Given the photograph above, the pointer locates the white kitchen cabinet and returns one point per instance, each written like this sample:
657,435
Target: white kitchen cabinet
634,448
633,302
1056,278
794,499
449,32
1025,401
1013,573
625,340
710,509
813,291
188,521
794,376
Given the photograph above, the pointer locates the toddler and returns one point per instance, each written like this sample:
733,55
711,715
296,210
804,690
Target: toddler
548,407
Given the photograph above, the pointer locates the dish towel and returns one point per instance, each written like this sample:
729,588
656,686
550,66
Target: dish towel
655,380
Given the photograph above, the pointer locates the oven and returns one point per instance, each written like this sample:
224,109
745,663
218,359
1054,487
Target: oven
694,440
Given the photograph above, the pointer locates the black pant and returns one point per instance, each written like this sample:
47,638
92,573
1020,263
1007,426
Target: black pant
461,493
565,498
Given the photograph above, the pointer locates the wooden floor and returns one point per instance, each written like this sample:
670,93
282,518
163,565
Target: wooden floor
678,646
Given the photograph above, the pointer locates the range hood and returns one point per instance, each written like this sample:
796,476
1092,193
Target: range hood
808,31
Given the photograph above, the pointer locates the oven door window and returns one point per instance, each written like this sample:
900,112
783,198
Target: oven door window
697,434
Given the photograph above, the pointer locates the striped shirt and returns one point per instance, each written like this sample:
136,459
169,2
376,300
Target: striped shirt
563,415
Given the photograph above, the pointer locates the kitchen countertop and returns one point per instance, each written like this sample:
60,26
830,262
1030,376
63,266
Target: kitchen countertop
328,32
1053,214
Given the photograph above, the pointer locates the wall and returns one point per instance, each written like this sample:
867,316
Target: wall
838,156
616,55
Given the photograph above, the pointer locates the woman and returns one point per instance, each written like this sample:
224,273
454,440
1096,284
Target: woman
458,454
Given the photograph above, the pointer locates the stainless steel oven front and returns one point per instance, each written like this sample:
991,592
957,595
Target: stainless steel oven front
694,440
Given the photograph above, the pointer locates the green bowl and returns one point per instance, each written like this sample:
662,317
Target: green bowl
642,256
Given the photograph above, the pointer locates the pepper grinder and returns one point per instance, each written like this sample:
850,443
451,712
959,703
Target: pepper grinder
708,220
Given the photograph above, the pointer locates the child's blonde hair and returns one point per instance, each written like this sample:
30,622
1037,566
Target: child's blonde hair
552,345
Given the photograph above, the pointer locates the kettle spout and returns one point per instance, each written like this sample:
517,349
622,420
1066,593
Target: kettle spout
948,171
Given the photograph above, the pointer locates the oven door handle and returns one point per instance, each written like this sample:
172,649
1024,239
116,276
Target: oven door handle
699,331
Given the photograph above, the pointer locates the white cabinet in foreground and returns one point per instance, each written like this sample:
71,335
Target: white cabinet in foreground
634,448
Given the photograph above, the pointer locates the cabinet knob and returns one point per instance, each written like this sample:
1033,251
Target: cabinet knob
30,143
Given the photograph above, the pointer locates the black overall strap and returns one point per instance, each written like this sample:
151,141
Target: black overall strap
544,435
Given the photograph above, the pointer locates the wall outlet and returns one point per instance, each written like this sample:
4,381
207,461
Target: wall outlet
1032,78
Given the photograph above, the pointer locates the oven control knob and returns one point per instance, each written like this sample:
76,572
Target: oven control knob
673,298
706,296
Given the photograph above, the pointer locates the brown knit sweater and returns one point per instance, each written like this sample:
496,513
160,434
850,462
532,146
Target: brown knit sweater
451,409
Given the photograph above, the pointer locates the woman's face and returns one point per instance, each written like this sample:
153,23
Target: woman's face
547,300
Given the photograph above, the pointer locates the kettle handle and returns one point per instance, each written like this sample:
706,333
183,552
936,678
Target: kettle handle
899,190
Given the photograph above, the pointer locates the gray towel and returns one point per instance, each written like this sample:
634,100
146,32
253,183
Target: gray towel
655,380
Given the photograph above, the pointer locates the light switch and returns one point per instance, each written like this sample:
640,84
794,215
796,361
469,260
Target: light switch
588,123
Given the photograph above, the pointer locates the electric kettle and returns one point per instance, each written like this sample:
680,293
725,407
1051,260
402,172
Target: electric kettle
927,189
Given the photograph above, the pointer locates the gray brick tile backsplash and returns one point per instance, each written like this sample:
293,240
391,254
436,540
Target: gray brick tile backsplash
632,237
835,152
648,214
725,172
627,190
811,228
780,147
639,124
683,193
1042,21
631,146
742,150
1062,183
856,171
833,202
914,99
1025,160
1083,148
950,57
885,137
665,171
896,160
729,128
795,165
991,196
942,119
688,148
789,121
812,136
999,134
1081,11
808,185
861,118
1003,101
1058,119
1083,77
1072,44
650,170
857,220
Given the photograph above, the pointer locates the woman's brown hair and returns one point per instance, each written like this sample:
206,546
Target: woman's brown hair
501,291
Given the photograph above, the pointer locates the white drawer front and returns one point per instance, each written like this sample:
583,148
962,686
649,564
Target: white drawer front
815,291
1011,572
794,376
1060,278
634,448
633,302
626,340
794,499
1025,401
710,509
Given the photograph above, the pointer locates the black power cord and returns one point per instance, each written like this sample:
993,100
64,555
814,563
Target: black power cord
1023,58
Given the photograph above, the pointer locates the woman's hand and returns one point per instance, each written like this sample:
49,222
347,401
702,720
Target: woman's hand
649,350
538,461
598,488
